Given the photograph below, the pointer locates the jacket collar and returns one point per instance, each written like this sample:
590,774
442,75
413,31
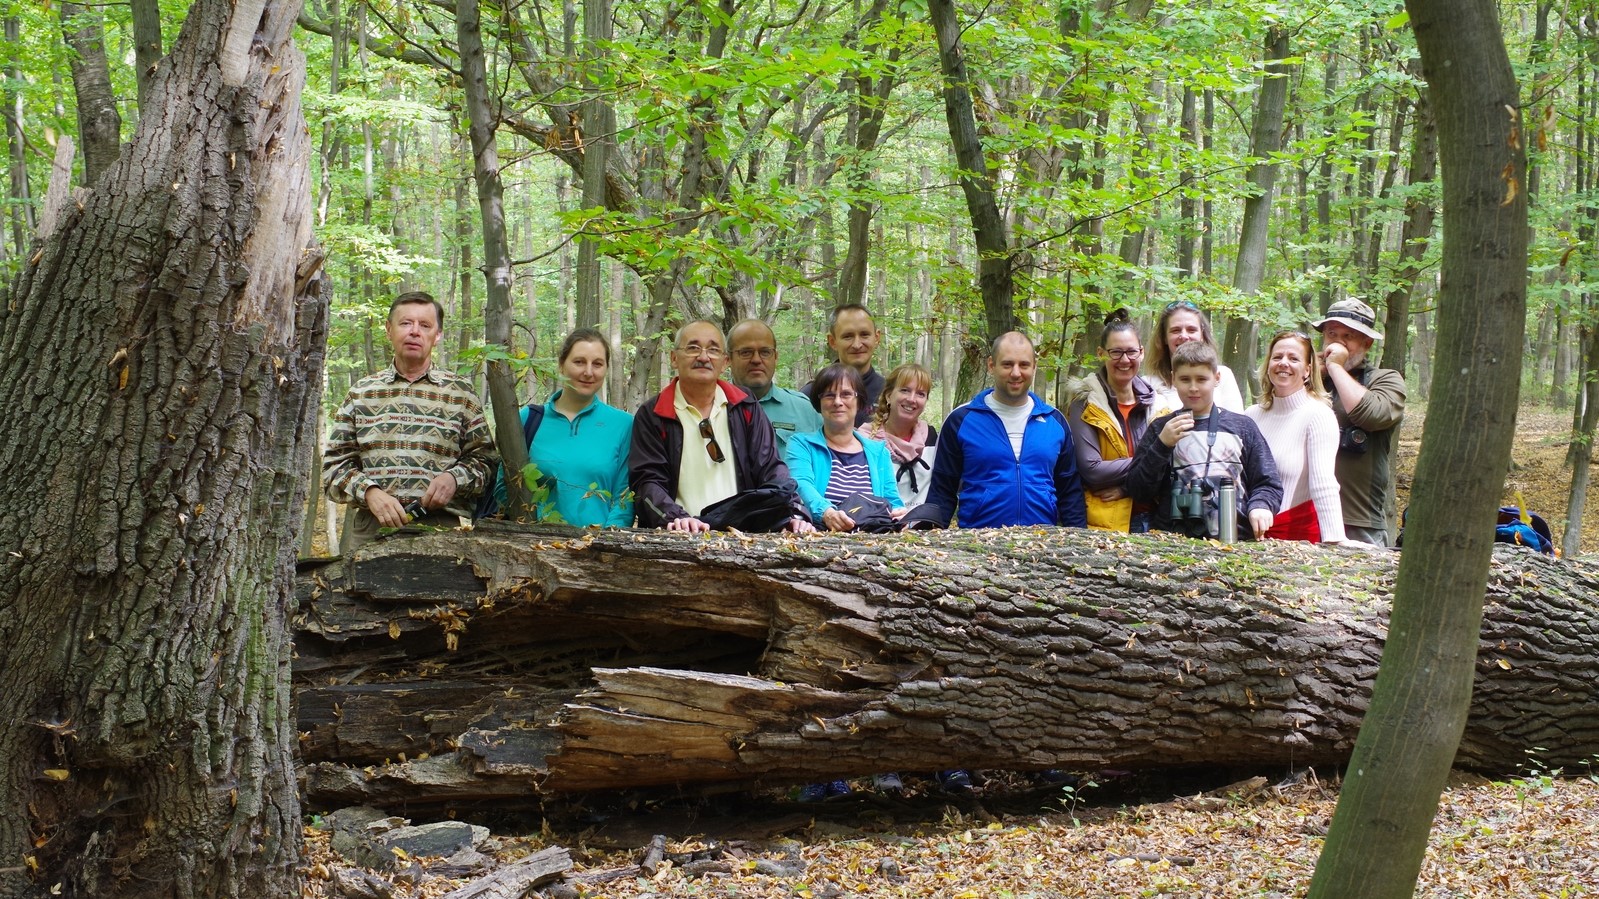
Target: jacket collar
666,403
1039,406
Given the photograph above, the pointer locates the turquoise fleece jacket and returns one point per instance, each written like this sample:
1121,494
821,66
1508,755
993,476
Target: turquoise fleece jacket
811,464
591,449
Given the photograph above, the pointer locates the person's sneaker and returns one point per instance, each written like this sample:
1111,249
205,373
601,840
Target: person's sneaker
812,793
955,780
837,788
888,783
1054,777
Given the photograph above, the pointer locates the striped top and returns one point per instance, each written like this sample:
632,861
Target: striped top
398,435
850,476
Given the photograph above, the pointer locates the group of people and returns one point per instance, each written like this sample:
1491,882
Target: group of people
723,446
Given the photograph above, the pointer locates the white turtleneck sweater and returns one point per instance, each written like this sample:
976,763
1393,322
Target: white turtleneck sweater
1303,435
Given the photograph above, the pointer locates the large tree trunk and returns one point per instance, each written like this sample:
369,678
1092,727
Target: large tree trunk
1423,694
160,363
558,660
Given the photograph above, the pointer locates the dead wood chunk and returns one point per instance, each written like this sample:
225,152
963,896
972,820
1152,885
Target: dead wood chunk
654,853
516,880
350,883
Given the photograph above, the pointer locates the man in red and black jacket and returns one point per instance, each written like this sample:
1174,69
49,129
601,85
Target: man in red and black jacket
703,441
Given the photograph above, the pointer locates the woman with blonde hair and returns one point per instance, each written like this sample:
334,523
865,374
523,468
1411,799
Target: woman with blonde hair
897,421
1297,420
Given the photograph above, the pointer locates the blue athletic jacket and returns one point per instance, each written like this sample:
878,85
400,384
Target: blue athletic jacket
975,466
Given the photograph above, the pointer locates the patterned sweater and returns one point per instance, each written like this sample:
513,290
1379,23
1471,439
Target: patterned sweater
398,435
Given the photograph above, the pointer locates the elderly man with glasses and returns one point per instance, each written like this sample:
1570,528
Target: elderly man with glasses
703,441
754,358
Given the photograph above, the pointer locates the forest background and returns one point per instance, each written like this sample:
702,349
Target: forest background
774,158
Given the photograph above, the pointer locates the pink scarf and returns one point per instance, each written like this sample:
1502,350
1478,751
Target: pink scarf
901,450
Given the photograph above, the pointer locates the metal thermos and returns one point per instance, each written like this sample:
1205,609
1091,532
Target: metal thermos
1227,512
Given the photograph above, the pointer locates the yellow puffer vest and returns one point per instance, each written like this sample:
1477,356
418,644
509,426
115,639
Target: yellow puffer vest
1116,515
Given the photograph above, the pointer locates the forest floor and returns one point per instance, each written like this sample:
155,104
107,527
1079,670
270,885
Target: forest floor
1189,834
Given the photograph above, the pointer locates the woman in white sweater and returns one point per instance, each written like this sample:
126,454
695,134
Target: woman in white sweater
1298,423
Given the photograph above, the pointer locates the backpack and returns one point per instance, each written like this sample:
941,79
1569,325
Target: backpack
1533,533
488,504
1529,530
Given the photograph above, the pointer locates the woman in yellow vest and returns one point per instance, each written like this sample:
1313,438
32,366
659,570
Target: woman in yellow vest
1109,410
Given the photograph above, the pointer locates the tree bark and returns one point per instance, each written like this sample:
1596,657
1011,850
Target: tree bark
599,140
496,258
1266,138
99,124
1414,236
160,363
1423,693
149,44
506,663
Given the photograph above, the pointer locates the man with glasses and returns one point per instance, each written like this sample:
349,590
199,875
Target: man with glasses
754,357
1006,457
703,441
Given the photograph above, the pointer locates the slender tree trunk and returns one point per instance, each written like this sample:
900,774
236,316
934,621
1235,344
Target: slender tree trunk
160,365
1188,209
496,257
21,211
867,111
1580,454
599,139
1414,236
994,275
463,243
1266,138
149,44
99,124
1562,361
1421,699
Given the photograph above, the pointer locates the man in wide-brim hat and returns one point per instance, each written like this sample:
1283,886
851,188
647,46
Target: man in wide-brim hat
1369,403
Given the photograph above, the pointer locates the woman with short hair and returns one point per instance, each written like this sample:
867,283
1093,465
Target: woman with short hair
838,462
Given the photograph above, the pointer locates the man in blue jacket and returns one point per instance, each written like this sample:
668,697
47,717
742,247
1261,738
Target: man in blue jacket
1006,457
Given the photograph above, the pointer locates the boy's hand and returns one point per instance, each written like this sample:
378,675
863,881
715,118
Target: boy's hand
1260,521
1176,427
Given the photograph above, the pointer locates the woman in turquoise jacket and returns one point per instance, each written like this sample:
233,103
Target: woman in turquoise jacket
838,461
578,443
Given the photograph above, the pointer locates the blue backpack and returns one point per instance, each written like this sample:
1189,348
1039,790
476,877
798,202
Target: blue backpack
1533,533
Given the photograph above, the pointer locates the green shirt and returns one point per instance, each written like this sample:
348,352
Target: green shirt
791,413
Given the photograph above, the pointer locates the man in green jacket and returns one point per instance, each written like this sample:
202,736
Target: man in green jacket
1369,403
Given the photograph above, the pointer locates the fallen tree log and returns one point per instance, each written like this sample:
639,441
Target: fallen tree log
506,663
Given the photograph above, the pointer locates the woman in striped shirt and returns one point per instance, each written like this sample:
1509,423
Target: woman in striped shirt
838,462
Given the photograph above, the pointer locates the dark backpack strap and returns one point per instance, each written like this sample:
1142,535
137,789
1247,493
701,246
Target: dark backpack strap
486,504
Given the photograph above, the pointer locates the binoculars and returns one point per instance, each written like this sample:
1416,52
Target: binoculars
1187,502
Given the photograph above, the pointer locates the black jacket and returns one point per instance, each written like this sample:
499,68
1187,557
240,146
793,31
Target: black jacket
657,451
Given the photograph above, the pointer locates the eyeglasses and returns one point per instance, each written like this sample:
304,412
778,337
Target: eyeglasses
1180,304
694,350
846,396
1124,354
748,353
713,448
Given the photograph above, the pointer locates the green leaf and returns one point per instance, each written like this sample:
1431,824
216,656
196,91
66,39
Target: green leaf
1398,20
